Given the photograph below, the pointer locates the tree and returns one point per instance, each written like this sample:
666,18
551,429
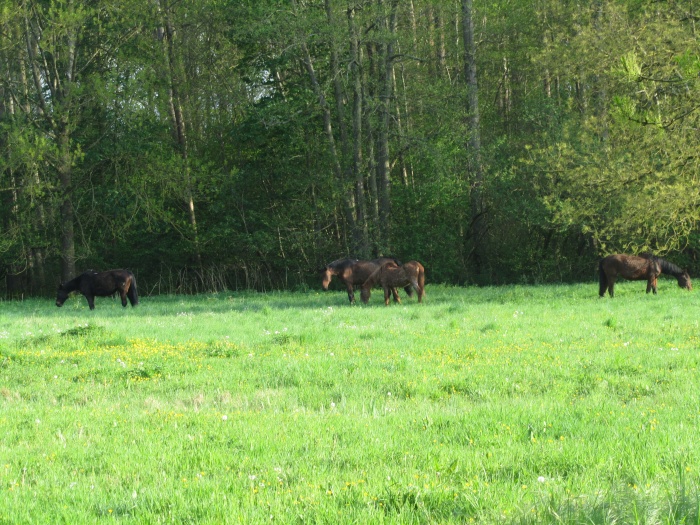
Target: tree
622,170
476,170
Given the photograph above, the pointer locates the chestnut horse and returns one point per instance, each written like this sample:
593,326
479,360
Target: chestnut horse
390,275
638,268
100,284
354,271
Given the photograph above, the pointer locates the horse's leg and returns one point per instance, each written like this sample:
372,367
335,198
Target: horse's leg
132,294
611,286
653,285
387,294
414,284
91,301
122,294
351,293
602,280
365,294
395,294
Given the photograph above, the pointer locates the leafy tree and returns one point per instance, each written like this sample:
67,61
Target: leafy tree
622,168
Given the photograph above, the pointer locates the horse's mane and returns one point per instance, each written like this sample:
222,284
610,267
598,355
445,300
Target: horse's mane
668,267
390,258
341,263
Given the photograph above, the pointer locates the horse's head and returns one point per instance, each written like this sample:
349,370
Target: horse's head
61,295
684,280
326,275
365,293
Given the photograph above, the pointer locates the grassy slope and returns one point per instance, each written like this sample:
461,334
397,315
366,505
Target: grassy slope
510,404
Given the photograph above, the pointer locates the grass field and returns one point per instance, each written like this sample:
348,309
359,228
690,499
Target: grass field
517,404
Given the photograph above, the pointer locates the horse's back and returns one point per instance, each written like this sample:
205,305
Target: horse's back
632,267
362,270
108,282
340,265
414,267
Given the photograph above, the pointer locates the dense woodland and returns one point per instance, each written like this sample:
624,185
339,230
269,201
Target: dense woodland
228,144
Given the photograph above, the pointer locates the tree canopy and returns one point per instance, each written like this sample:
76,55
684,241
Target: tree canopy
209,144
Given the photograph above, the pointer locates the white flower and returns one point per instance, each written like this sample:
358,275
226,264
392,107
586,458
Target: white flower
224,418
541,479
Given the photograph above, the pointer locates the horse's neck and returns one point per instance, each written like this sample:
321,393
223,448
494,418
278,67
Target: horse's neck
669,268
339,265
374,276
72,285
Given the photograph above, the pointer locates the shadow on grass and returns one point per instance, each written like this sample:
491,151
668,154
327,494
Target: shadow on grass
628,504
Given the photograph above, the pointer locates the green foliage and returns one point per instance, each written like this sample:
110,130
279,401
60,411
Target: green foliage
589,125
623,174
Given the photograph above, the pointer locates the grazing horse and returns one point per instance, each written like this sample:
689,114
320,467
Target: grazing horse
638,268
391,275
354,271
100,284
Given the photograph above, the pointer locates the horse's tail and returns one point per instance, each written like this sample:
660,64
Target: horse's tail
133,293
421,282
602,279
415,272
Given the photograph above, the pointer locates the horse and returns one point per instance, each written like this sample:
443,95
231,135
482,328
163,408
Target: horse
100,284
637,268
390,275
355,271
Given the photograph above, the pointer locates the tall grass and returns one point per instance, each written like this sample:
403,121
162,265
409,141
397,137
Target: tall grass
489,405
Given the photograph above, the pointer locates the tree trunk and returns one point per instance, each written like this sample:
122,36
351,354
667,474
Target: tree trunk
328,129
65,173
383,161
357,102
347,179
47,73
370,133
475,169
177,117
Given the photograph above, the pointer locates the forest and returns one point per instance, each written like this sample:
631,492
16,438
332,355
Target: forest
243,144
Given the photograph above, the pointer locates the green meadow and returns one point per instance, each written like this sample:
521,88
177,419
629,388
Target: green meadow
514,404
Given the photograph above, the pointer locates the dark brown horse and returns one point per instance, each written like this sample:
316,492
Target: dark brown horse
638,268
100,284
391,275
353,272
